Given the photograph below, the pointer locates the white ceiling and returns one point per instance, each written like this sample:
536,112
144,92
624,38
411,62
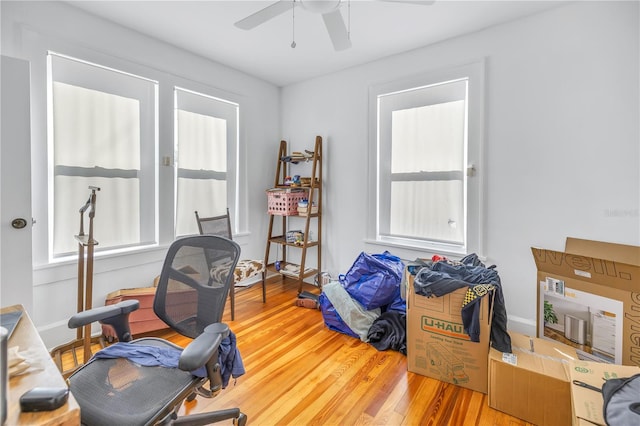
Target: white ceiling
378,29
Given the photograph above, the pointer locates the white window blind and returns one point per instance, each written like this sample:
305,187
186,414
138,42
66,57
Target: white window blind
427,138
206,144
102,127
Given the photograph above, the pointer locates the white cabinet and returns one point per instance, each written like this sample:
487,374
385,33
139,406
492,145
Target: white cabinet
604,334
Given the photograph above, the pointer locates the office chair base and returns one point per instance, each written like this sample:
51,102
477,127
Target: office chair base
239,418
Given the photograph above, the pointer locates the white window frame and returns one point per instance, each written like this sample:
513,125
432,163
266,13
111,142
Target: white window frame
473,179
213,106
74,73
47,270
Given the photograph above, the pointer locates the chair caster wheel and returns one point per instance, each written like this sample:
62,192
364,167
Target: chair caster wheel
241,420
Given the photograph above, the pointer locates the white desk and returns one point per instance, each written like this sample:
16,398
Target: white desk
26,337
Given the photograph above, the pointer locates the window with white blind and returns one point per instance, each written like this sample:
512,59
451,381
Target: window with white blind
428,136
206,151
102,132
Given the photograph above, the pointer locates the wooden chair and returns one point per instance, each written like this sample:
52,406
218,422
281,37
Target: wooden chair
246,268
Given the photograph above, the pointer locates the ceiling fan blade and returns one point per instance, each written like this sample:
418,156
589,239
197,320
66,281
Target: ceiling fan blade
337,30
263,15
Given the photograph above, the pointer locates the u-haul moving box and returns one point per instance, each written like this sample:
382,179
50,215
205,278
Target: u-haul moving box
590,294
437,345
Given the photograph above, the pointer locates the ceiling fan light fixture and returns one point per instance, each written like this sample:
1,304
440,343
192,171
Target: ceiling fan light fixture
320,6
339,31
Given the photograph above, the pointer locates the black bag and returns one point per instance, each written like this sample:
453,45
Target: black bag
621,401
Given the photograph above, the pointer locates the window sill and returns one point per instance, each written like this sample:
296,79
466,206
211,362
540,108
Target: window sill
65,268
408,249
73,258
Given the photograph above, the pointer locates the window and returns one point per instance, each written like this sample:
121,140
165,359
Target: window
206,144
102,132
427,152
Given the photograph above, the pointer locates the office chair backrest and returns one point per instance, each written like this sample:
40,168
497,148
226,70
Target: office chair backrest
194,282
215,225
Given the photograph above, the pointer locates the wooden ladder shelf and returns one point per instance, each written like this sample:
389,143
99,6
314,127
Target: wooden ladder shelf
280,235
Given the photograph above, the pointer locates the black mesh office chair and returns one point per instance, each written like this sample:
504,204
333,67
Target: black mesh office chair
246,268
190,299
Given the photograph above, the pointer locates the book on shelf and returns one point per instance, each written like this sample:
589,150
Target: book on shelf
293,270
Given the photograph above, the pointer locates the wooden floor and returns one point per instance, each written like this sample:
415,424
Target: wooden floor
301,373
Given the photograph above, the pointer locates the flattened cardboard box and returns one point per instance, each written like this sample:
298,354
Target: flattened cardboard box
587,404
437,345
534,373
593,289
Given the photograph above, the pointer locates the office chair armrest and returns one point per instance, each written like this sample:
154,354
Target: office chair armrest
116,315
203,348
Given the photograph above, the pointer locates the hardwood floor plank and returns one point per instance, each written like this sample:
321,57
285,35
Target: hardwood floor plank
382,390
358,389
388,413
344,378
473,407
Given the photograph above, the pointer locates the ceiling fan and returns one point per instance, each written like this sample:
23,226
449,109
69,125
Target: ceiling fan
329,9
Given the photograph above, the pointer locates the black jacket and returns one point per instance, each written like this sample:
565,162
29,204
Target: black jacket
388,331
443,277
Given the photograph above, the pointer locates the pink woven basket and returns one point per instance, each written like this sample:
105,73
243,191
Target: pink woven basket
284,203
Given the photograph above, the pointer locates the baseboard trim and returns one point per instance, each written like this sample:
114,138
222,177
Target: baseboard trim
522,325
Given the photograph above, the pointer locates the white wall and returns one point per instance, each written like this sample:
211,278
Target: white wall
562,147
562,139
55,286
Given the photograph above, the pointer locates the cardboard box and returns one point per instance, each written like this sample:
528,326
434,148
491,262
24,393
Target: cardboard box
437,345
593,288
532,383
587,404
141,320
144,319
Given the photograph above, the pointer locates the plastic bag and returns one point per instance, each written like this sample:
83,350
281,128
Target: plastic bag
332,319
622,401
374,279
352,313
398,305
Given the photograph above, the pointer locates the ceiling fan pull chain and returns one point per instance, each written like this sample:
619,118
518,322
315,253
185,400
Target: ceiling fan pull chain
293,25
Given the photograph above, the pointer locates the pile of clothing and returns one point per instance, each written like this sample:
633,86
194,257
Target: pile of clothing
229,358
445,276
367,302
